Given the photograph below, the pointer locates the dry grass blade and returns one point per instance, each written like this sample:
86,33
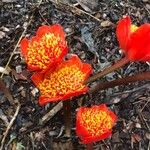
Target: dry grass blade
51,113
9,126
20,40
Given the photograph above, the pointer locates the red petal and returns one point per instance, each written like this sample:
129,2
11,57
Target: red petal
24,46
123,32
75,93
113,116
56,29
33,68
80,129
90,139
74,60
37,78
43,100
87,69
101,107
139,44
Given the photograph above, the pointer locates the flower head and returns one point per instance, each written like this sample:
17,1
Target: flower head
44,49
64,82
95,123
135,41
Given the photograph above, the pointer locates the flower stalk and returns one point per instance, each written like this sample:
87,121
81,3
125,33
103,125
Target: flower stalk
67,117
121,81
108,70
90,146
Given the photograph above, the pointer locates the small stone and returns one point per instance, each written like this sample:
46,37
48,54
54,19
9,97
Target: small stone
137,125
25,25
34,91
18,6
5,29
9,1
68,30
2,34
148,6
18,69
147,135
104,15
23,93
18,26
106,23
145,1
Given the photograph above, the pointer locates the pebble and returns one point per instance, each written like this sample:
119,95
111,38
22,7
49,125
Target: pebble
2,34
34,91
9,1
19,69
5,29
137,125
148,6
147,135
145,1
106,23
68,30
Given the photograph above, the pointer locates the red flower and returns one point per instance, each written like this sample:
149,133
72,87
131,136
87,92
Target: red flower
45,49
135,41
64,82
95,123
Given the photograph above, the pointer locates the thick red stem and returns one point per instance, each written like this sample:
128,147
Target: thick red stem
90,146
124,81
108,70
67,117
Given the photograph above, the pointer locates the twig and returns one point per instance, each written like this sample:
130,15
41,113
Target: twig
148,148
51,113
16,47
143,120
6,92
9,126
43,18
145,105
73,8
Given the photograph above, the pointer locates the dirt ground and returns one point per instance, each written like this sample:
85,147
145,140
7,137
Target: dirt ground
90,29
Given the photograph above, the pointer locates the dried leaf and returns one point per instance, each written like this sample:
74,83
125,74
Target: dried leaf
3,117
6,91
136,138
20,76
88,40
88,5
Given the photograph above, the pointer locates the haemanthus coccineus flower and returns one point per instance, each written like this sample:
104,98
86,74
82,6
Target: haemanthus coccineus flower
94,123
45,49
64,82
135,41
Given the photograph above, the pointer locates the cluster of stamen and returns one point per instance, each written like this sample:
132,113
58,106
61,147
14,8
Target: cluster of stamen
133,28
40,53
96,122
63,81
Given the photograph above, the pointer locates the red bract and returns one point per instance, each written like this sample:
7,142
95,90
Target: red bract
64,82
45,49
95,123
135,41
